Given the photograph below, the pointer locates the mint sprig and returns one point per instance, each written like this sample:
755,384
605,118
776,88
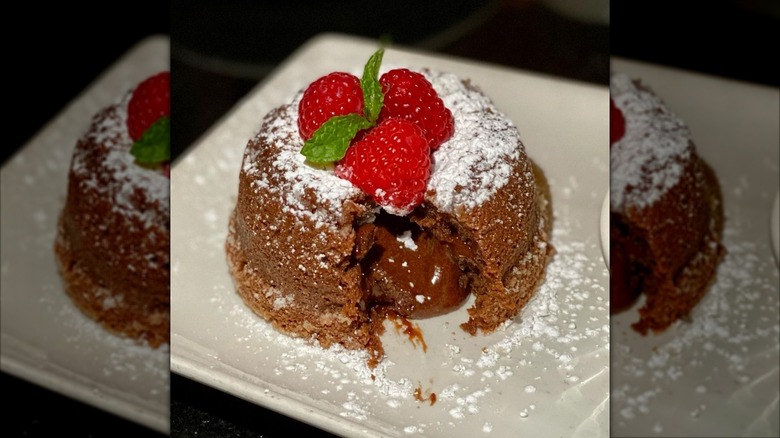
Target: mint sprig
331,140
372,89
154,146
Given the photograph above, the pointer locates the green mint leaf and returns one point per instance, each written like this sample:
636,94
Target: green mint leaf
154,146
331,140
372,90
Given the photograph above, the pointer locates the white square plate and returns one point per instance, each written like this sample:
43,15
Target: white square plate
547,374
718,374
45,338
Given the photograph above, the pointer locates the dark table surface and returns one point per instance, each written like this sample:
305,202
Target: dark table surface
49,72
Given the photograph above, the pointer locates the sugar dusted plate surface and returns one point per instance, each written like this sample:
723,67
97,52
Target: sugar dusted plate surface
547,373
716,375
45,339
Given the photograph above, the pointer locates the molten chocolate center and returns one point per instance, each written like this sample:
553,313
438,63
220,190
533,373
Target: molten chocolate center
410,270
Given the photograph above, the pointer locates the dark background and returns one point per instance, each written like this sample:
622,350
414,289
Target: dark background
733,39
221,49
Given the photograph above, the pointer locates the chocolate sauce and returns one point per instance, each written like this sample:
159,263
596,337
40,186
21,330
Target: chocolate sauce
412,271
410,329
418,395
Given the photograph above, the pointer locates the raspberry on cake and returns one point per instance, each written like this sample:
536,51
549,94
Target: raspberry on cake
112,243
392,163
405,94
666,216
406,206
336,94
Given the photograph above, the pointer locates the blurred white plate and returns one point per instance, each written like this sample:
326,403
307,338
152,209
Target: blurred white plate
774,226
45,339
717,375
546,375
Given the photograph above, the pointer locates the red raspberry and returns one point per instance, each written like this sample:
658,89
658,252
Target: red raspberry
408,95
150,101
391,163
617,124
335,94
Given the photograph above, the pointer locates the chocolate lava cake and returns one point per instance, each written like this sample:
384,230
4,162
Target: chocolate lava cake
321,260
665,210
112,243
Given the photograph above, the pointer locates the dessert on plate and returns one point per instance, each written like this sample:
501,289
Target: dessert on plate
666,216
395,195
112,244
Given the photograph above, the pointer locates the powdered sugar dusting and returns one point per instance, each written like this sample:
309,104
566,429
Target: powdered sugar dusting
477,160
126,178
646,162
406,239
